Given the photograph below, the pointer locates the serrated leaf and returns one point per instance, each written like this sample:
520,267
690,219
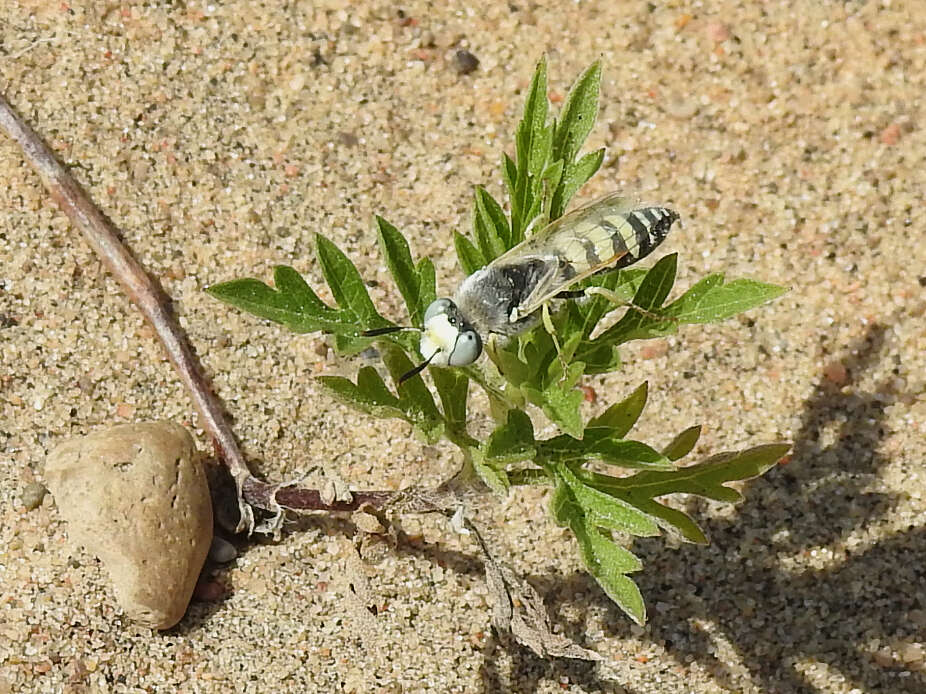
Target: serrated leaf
414,397
368,395
512,441
606,511
599,443
710,300
492,476
533,145
559,399
470,257
706,479
292,303
621,416
398,259
682,444
607,562
346,284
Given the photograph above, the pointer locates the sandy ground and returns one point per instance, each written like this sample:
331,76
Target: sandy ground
220,136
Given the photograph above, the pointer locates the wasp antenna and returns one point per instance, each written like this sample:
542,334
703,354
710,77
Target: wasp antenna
417,370
376,332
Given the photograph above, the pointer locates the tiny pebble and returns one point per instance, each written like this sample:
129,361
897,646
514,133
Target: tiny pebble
836,373
221,551
33,494
209,591
717,32
465,62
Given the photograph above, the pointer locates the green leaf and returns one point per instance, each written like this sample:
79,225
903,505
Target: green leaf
657,283
578,114
576,120
682,444
600,443
652,292
427,285
607,562
573,177
452,387
398,258
346,284
490,223
606,511
512,441
491,474
414,397
369,395
470,257
621,416
295,305
706,479
533,146
710,300
560,400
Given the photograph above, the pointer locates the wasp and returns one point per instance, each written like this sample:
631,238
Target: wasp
505,297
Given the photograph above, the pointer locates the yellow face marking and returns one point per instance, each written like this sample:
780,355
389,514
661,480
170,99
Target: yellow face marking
438,339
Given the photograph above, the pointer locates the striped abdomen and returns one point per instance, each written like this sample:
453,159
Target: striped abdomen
637,232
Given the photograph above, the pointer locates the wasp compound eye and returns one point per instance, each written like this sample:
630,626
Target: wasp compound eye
466,350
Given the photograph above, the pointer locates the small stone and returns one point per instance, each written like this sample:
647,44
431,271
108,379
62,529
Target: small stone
836,373
891,134
465,62
136,496
221,551
33,494
209,591
654,349
718,32
912,654
367,523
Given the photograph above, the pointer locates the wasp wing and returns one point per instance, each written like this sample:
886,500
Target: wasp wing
608,233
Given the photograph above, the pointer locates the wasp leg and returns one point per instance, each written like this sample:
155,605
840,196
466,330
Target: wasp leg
551,329
615,299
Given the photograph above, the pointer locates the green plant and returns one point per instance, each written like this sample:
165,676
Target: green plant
605,486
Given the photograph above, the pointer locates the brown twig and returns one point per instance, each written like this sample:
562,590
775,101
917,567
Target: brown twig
146,293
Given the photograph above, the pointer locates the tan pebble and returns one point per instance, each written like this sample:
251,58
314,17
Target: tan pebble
136,496
912,653
654,349
891,134
32,495
717,32
367,523
835,372
884,657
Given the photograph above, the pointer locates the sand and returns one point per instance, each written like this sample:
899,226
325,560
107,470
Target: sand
221,136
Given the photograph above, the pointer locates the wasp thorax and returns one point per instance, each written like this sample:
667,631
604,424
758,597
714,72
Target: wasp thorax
448,339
